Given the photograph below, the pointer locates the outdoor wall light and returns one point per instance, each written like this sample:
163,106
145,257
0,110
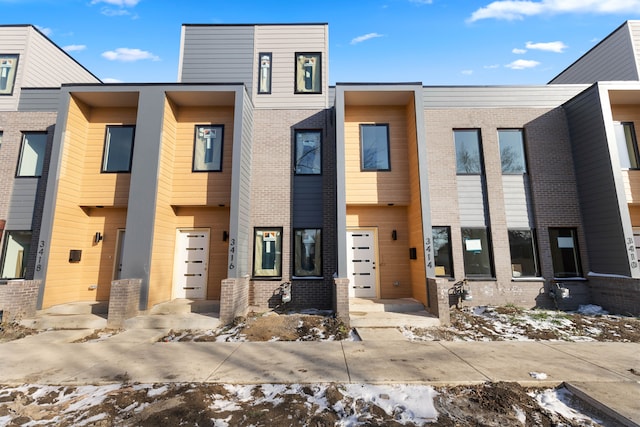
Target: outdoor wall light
394,235
97,238
225,236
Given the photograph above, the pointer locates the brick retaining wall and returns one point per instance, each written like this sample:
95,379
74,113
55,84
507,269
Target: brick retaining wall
124,300
616,295
234,299
19,299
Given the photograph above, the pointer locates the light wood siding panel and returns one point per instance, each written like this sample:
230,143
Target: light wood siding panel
201,188
377,187
596,188
164,232
217,221
393,255
39,99
634,212
13,40
611,59
471,201
517,201
218,54
22,203
498,96
98,260
629,113
414,212
103,189
283,41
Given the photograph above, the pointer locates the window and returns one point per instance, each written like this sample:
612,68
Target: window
267,252
308,152
307,248
264,73
627,145
15,254
308,73
564,252
8,67
512,151
207,148
118,149
468,159
34,145
0,139
374,147
442,251
476,247
524,259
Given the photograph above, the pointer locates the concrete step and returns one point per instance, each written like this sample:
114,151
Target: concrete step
82,307
179,321
400,305
66,321
617,400
419,319
184,306
380,334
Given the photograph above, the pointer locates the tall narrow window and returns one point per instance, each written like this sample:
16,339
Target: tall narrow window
267,252
207,148
15,254
627,145
118,148
468,157
264,73
308,152
0,139
512,151
308,73
374,147
8,67
442,251
564,252
34,145
478,262
524,259
307,248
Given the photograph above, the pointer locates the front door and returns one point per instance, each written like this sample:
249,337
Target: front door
361,263
191,261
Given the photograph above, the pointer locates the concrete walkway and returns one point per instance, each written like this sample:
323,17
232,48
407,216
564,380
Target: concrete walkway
606,373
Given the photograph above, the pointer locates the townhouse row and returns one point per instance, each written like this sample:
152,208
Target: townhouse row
251,172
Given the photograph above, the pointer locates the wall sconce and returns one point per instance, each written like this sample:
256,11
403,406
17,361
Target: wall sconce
225,236
97,238
394,235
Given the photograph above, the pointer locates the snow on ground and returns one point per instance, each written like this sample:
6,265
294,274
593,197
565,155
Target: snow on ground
558,401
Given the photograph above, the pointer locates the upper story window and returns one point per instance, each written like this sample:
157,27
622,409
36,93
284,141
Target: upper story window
308,72
468,157
118,148
8,67
374,147
512,155
34,145
264,72
308,152
627,145
207,148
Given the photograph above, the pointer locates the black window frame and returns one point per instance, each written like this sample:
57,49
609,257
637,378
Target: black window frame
25,257
41,161
449,253
278,260
299,69
523,154
478,132
534,253
196,127
634,164
106,149
362,148
297,132
555,246
260,89
490,258
318,254
13,72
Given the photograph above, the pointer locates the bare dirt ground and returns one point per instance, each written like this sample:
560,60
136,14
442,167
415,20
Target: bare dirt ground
13,331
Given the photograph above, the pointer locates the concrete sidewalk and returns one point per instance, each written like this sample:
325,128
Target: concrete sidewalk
604,372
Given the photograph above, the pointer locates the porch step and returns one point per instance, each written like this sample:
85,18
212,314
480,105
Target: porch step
45,321
185,306
176,321
82,307
400,305
419,319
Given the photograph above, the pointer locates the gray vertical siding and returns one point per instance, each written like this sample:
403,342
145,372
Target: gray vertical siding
240,221
596,185
471,201
39,99
217,54
611,59
22,203
517,201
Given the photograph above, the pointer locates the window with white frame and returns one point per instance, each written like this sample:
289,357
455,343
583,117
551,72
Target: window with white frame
34,145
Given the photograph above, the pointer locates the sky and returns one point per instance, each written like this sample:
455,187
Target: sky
435,42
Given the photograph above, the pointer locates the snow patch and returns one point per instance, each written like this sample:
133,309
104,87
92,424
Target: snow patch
592,310
538,375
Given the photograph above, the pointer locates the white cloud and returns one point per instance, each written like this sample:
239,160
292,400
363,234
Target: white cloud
467,72
557,47
519,9
110,80
491,67
519,51
421,1
107,11
125,54
121,3
522,64
74,47
360,39
45,30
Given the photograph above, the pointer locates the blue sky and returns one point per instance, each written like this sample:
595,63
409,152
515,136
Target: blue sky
436,42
